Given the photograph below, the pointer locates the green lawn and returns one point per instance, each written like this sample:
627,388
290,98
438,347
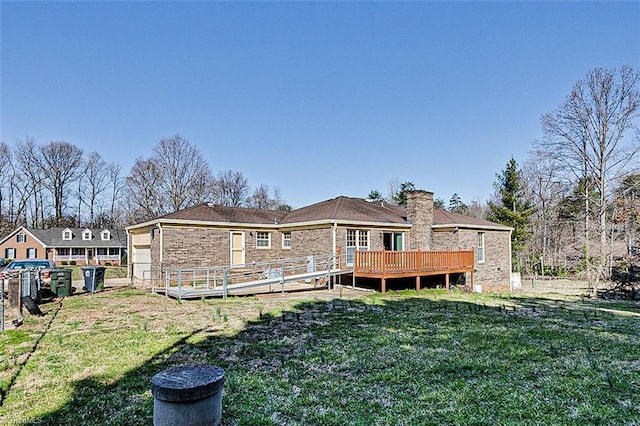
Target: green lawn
405,358
110,271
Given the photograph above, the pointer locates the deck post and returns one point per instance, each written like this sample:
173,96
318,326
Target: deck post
383,285
417,282
446,281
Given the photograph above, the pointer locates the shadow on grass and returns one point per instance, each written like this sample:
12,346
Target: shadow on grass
406,358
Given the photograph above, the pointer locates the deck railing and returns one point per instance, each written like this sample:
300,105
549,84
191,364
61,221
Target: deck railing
388,263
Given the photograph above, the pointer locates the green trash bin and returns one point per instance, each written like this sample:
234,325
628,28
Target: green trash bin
61,282
93,278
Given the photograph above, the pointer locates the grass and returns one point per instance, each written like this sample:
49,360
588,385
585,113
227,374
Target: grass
414,358
110,271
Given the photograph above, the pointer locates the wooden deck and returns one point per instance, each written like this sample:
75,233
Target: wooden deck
406,264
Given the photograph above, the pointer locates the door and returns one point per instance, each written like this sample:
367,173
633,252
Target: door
237,248
141,261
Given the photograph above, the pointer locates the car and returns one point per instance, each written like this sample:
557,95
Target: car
43,266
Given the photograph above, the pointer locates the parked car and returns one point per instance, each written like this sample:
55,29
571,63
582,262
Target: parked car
43,266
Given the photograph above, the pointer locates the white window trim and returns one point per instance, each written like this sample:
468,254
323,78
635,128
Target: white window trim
285,247
105,235
268,246
21,238
86,235
65,233
357,234
481,246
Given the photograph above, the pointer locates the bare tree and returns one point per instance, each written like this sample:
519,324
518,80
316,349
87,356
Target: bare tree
60,164
587,135
265,198
175,177
95,179
30,177
230,188
116,185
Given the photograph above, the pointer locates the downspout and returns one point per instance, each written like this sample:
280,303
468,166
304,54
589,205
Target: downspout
129,253
334,252
161,244
510,261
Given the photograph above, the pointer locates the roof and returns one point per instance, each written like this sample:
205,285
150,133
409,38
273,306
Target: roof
347,209
215,213
443,218
52,237
340,209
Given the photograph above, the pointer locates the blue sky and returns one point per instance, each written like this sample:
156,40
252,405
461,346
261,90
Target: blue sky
319,99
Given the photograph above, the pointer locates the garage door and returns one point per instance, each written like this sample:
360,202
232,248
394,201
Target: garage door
141,261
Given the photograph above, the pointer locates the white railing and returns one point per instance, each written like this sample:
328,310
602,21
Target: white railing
219,278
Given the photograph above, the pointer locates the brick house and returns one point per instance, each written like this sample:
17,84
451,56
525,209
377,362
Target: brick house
85,246
213,235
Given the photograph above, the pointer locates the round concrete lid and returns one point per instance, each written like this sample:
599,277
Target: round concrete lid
187,383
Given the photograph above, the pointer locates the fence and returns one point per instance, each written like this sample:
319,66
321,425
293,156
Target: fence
13,288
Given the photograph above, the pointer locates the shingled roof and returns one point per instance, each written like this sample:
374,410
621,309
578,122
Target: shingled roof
52,237
339,209
443,218
222,214
346,209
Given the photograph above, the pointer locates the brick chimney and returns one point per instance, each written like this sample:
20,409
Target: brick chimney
420,215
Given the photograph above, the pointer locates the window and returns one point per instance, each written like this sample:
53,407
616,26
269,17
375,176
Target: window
357,239
286,240
21,238
32,253
393,241
263,240
63,251
114,251
67,235
102,252
9,253
86,234
77,251
480,248
105,235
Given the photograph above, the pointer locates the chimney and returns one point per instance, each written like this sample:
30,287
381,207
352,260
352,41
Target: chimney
420,215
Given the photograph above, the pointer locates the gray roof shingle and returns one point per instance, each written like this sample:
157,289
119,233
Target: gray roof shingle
336,209
52,237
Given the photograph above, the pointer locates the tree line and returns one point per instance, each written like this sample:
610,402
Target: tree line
57,184
574,204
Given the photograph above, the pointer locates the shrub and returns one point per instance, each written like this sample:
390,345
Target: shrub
107,263
72,263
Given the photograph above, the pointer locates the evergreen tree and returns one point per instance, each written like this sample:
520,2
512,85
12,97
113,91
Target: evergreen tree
438,203
400,198
456,205
512,209
375,195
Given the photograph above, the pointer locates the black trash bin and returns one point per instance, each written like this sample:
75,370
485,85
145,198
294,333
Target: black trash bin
93,278
61,282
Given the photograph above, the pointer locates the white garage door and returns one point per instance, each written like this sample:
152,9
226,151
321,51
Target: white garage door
141,261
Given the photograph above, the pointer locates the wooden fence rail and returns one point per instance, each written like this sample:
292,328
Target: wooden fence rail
401,264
